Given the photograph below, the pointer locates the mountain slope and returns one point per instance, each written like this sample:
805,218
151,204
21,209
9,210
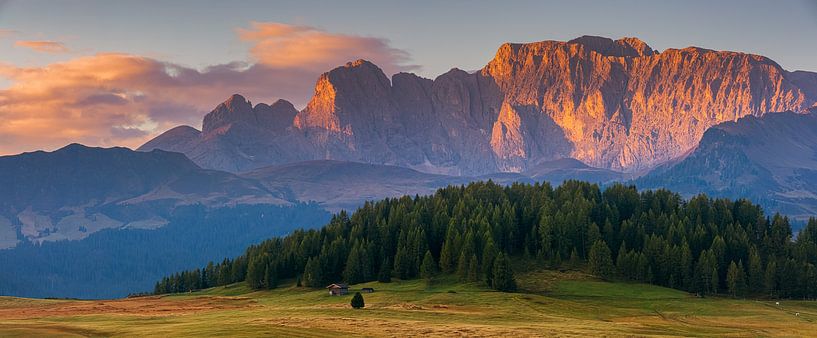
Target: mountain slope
613,104
75,191
93,222
772,160
338,185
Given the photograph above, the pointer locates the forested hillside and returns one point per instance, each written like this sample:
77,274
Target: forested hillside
115,262
702,245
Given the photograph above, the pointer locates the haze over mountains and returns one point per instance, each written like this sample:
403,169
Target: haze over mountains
611,104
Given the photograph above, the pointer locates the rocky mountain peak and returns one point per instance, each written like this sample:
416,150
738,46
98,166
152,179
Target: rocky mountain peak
236,102
233,109
359,86
624,47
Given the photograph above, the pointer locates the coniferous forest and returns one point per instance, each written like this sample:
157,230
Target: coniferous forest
476,232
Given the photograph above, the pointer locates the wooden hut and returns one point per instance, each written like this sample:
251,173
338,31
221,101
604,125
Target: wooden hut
338,289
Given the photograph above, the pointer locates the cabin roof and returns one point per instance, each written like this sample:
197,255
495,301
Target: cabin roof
338,286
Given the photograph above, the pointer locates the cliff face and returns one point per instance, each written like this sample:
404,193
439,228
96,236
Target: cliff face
611,104
632,112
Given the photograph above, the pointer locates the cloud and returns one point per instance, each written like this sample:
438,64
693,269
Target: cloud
278,45
7,32
122,99
43,46
115,99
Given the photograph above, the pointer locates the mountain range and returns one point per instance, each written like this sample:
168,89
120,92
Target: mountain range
612,104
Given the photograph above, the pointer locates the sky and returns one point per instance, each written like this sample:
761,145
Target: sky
116,73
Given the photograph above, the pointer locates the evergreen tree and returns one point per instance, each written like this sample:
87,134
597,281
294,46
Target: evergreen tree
732,279
473,269
593,235
384,276
574,259
489,254
770,277
256,273
755,273
353,273
462,265
448,254
429,268
600,261
503,279
270,276
313,273
624,262
357,301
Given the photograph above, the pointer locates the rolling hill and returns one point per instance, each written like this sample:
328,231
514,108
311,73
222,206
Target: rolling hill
771,160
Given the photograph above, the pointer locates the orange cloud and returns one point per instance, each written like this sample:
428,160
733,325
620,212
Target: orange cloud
281,45
121,99
7,32
43,46
112,99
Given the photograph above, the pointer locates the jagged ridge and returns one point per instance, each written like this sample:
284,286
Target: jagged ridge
615,104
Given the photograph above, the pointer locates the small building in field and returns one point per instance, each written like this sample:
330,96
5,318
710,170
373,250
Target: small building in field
338,289
367,290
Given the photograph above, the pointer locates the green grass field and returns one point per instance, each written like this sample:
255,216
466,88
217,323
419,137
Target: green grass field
549,303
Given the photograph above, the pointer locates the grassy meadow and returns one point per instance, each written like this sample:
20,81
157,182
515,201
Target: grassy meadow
549,303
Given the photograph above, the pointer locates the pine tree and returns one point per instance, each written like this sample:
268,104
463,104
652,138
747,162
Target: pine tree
623,263
574,259
741,280
732,276
473,269
600,261
755,273
384,276
715,280
489,254
503,275
353,273
313,275
271,276
770,278
593,235
429,268
357,301
448,253
462,265
546,233
256,273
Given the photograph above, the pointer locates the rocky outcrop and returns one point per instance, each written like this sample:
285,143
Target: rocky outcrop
633,112
614,104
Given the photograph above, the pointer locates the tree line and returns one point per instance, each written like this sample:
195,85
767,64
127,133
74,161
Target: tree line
475,232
